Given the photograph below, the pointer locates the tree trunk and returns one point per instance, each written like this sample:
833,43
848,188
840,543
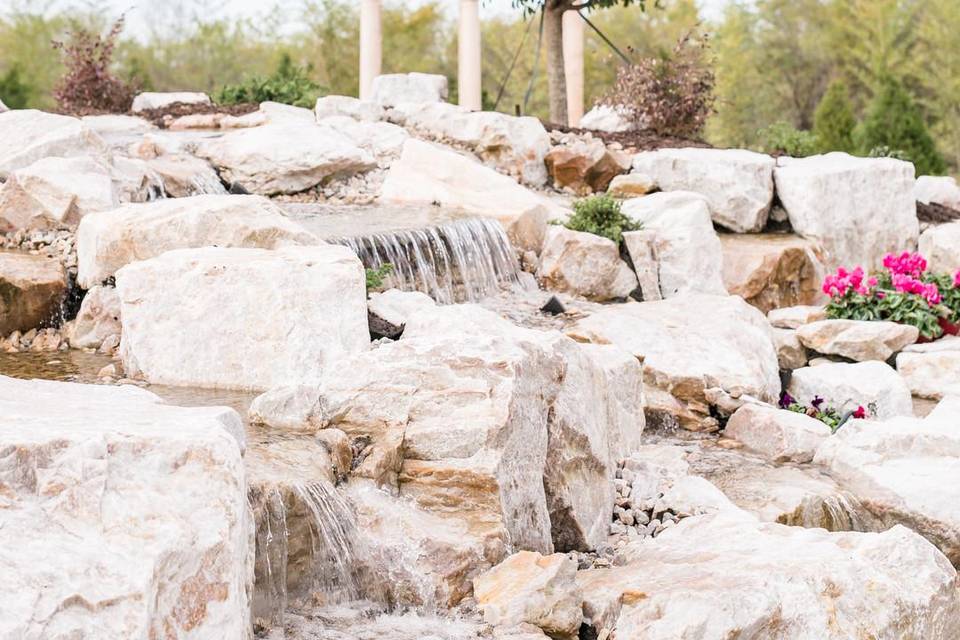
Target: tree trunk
556,79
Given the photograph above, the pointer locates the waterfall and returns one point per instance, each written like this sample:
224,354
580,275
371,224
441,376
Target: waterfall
838,512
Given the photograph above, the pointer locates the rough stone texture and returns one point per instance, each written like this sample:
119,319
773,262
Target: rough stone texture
942,190
857,340
286,157
771,270
397,307
108,240
362,110
791,354
904,470
586,166
631,185
945,343
874,194
940,245
29,135
97,320
118,125
931,375
687,249
534,589
392,89
778,434
872,385
184,176
584,264
605,118
795,317
122,517
642,249
690,344
297,408
309,306
31,289
158,100
381,139
738,184
718,576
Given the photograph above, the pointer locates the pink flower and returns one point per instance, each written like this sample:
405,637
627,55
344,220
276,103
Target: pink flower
956,280
860,413
912,264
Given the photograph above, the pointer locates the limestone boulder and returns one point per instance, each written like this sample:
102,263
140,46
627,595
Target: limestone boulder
631,185
108,240
940,245
362,110
873,385
712,577
642,247
29,135
184,176
771,270
857,340
778,434
791,354
391,89
685,247
586,166
286,157
738,184
934,374
123,517
309,306
584,264
31,290
942,190
534,589
688,345
382,140
295,408
396,307
875,196
796,316
606,118
97,320
160,100
3,107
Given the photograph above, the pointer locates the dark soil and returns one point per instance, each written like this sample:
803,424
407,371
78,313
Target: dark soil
936,213
161,117
645,140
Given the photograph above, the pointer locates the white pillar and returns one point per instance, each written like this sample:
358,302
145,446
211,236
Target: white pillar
573,65
371,45
468,56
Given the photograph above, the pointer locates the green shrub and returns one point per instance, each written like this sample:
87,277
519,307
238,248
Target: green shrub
375,277
833,121
289,84
14,92
601,216
783,137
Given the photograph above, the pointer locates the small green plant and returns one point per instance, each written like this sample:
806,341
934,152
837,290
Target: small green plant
783,137
14,92
289,84
883,151
375,277
601,216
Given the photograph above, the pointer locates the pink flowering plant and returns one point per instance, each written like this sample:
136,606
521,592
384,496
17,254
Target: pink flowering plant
828,415
904,292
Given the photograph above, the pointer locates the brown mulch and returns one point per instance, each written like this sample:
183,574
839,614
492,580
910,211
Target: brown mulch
178,109
645,140
936,213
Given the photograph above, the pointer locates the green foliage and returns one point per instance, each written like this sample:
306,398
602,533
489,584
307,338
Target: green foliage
785,138
601,216
14,92
894,306
833,121
893,120
289,84
375,277
827,415
533,6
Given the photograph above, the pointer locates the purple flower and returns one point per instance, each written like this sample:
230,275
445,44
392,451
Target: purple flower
817,401
786,400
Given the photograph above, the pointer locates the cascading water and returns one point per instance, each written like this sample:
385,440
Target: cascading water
837,512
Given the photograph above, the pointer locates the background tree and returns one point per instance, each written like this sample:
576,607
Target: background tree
834,122
14,92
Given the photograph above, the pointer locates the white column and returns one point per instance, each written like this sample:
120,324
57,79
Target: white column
573,65
371,45
468,56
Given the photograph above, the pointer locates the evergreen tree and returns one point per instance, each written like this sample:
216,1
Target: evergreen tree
14,92
833,121
894,121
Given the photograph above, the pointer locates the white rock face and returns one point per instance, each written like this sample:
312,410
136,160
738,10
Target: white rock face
397,307
392,89
631,185
874,194
778,434
362,110
184,176
29,135
379,139
605,118
309,304
795,317
97,320
118,125
790,352
940,245
584,264
686,248
287,157
296,408
931,375
857,340
942,190
738,184
690,344
122,517
108,240
158,100
534,589
712,577
872,385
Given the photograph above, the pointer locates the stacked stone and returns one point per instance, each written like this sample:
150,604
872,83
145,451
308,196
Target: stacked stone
54,244
636,516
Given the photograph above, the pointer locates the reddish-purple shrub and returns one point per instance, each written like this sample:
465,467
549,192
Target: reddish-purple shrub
88,86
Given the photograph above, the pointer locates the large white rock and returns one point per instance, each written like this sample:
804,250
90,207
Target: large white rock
362,110
97,320
931,375
242,318
606,118
108,240
118,126
940,245
122,517
392,89
686,248
286,157
584,264
29,135
377,138
3,107
778,434
688,345
942,190
737,183
158,100
771,270
857,209
796,316
790,352
719,576
31,290
857,339
873,385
